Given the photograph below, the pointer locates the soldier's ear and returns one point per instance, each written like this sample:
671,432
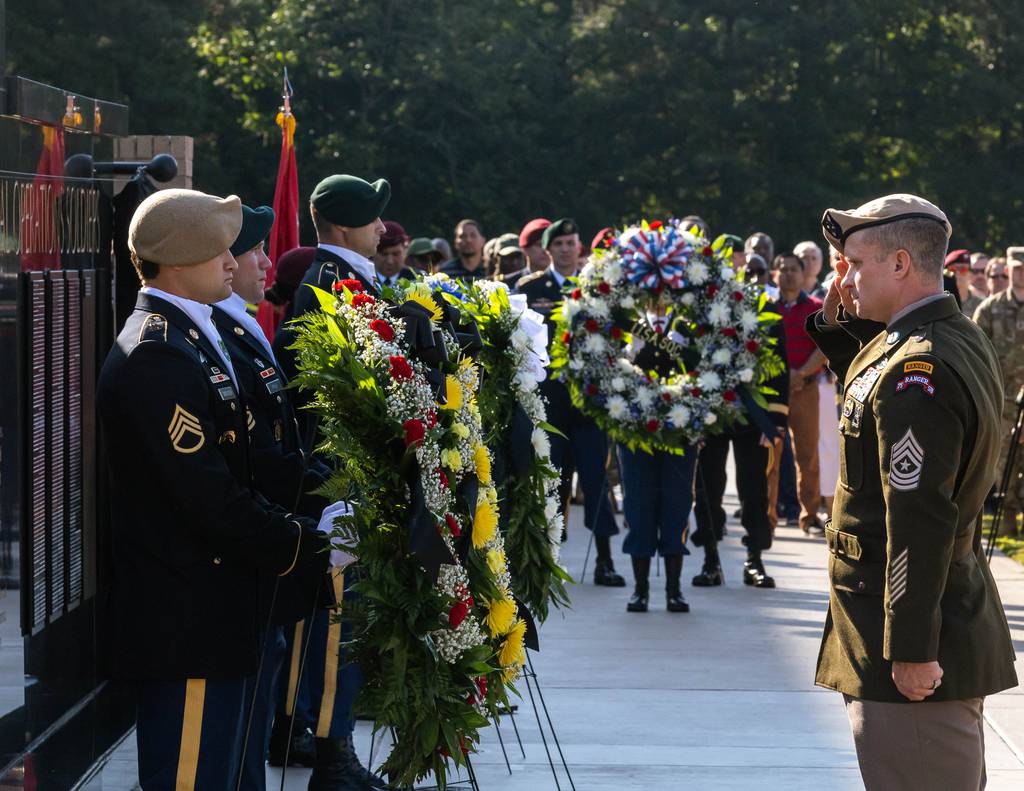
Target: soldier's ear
901,266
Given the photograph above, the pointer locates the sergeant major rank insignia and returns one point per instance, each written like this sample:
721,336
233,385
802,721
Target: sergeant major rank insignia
906,463
185,431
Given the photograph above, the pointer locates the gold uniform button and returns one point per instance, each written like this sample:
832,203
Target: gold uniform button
239,331
234,406
216,561
861,586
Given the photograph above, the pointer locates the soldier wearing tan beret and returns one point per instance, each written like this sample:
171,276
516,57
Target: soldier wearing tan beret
189,534
915,635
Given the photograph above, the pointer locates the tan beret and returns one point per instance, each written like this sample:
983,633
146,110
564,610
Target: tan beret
838,224
184,227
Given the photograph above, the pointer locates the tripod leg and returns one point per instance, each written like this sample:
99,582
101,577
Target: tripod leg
515,728
540,726
551,725
501,741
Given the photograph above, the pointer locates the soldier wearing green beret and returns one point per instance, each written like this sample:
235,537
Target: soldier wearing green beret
915,635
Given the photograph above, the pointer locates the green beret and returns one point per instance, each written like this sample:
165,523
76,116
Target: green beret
256,225
563,227
349,200
179,227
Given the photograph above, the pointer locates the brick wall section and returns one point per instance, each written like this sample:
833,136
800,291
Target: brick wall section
142,148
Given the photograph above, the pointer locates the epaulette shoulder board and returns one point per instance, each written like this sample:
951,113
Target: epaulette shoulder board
154,328
525,280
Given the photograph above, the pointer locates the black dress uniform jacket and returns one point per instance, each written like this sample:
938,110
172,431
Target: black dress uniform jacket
189,535
919,442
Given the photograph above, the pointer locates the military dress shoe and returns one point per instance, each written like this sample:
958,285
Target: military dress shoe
641,595
337,768
754,574
709,577
303,746
605,574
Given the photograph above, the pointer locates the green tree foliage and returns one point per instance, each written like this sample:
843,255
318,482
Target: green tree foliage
754,115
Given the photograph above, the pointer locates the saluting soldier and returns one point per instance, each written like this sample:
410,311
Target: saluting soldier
583,439
322,735
189,534
915,635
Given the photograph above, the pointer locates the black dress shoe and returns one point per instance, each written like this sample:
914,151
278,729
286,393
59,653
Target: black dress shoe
642,591
337,768
605,574
754,574
303,747
674,601
708,577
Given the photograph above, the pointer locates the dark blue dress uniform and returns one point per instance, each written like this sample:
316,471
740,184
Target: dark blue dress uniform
586,441
190,538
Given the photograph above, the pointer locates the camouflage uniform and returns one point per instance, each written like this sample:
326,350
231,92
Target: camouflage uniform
1001,318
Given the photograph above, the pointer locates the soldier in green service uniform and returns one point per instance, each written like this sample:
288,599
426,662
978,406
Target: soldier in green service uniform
915,635
1001,318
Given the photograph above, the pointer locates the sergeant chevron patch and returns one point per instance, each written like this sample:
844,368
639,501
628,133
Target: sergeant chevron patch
906,463
185,431
898,576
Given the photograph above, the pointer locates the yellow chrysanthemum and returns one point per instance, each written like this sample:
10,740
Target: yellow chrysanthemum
483,464
453,393
496,561
501,616
451,459
512,651
485,522
426,301
490,494
460,430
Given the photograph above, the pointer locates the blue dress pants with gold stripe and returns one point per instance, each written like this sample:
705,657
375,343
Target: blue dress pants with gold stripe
324,694
189,733
254,764
657,494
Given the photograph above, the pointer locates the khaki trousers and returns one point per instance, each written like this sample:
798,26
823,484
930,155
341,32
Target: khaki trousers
919,746
803,429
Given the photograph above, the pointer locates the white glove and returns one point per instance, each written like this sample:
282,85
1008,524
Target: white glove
340,556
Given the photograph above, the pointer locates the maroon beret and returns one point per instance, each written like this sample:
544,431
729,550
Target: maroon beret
958,257
393,234
292,266
532,231
601,238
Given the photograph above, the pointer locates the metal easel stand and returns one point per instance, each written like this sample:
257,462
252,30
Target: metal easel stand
532,684
1004,481
457,785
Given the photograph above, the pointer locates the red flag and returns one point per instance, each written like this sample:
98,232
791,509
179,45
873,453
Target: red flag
40,220
285,233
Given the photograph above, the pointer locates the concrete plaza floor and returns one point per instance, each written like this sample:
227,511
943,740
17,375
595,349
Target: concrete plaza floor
720,698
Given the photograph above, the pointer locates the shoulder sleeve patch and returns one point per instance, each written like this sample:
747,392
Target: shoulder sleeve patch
154,328
185,431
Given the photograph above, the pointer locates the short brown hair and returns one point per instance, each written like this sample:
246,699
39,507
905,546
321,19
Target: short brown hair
923,238
146,270
321,224
474,223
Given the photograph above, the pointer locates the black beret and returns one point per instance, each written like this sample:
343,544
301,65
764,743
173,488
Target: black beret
349,200
256,225
563,227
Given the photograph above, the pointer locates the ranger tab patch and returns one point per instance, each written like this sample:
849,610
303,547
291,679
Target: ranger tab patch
918,365
906,463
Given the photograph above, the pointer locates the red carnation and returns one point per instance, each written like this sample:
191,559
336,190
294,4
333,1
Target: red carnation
708,252
400,368
566,337
752,346
591,325
358,300
457,614
729,332
695,392
656,225
603,287
737,295
338,287
481,685
666,397
712,290
652,426
414,432
694,373
575,293
471,699
592,390
443,477
351,284
453,524
701,329
729,395
616,332
383,329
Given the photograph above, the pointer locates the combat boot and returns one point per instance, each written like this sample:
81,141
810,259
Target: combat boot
301,752
642,591
337,768
674,601
709,577
605,574
754,573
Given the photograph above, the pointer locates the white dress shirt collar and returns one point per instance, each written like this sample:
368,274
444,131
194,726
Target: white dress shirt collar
364,266
202,317
234,306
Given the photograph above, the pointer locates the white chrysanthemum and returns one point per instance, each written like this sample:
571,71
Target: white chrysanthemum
718,314
613,271
618,384
709,380
688,298
555,532
645,397
617,407
721,357
594,344
598,308
525,380
551,508
697,272
587,272
541,443
569,309
520,340
627,302
710,419
625,366
746,375
576,364
727,274
748,320
679,415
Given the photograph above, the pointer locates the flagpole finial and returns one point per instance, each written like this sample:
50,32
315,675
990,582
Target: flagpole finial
286,94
